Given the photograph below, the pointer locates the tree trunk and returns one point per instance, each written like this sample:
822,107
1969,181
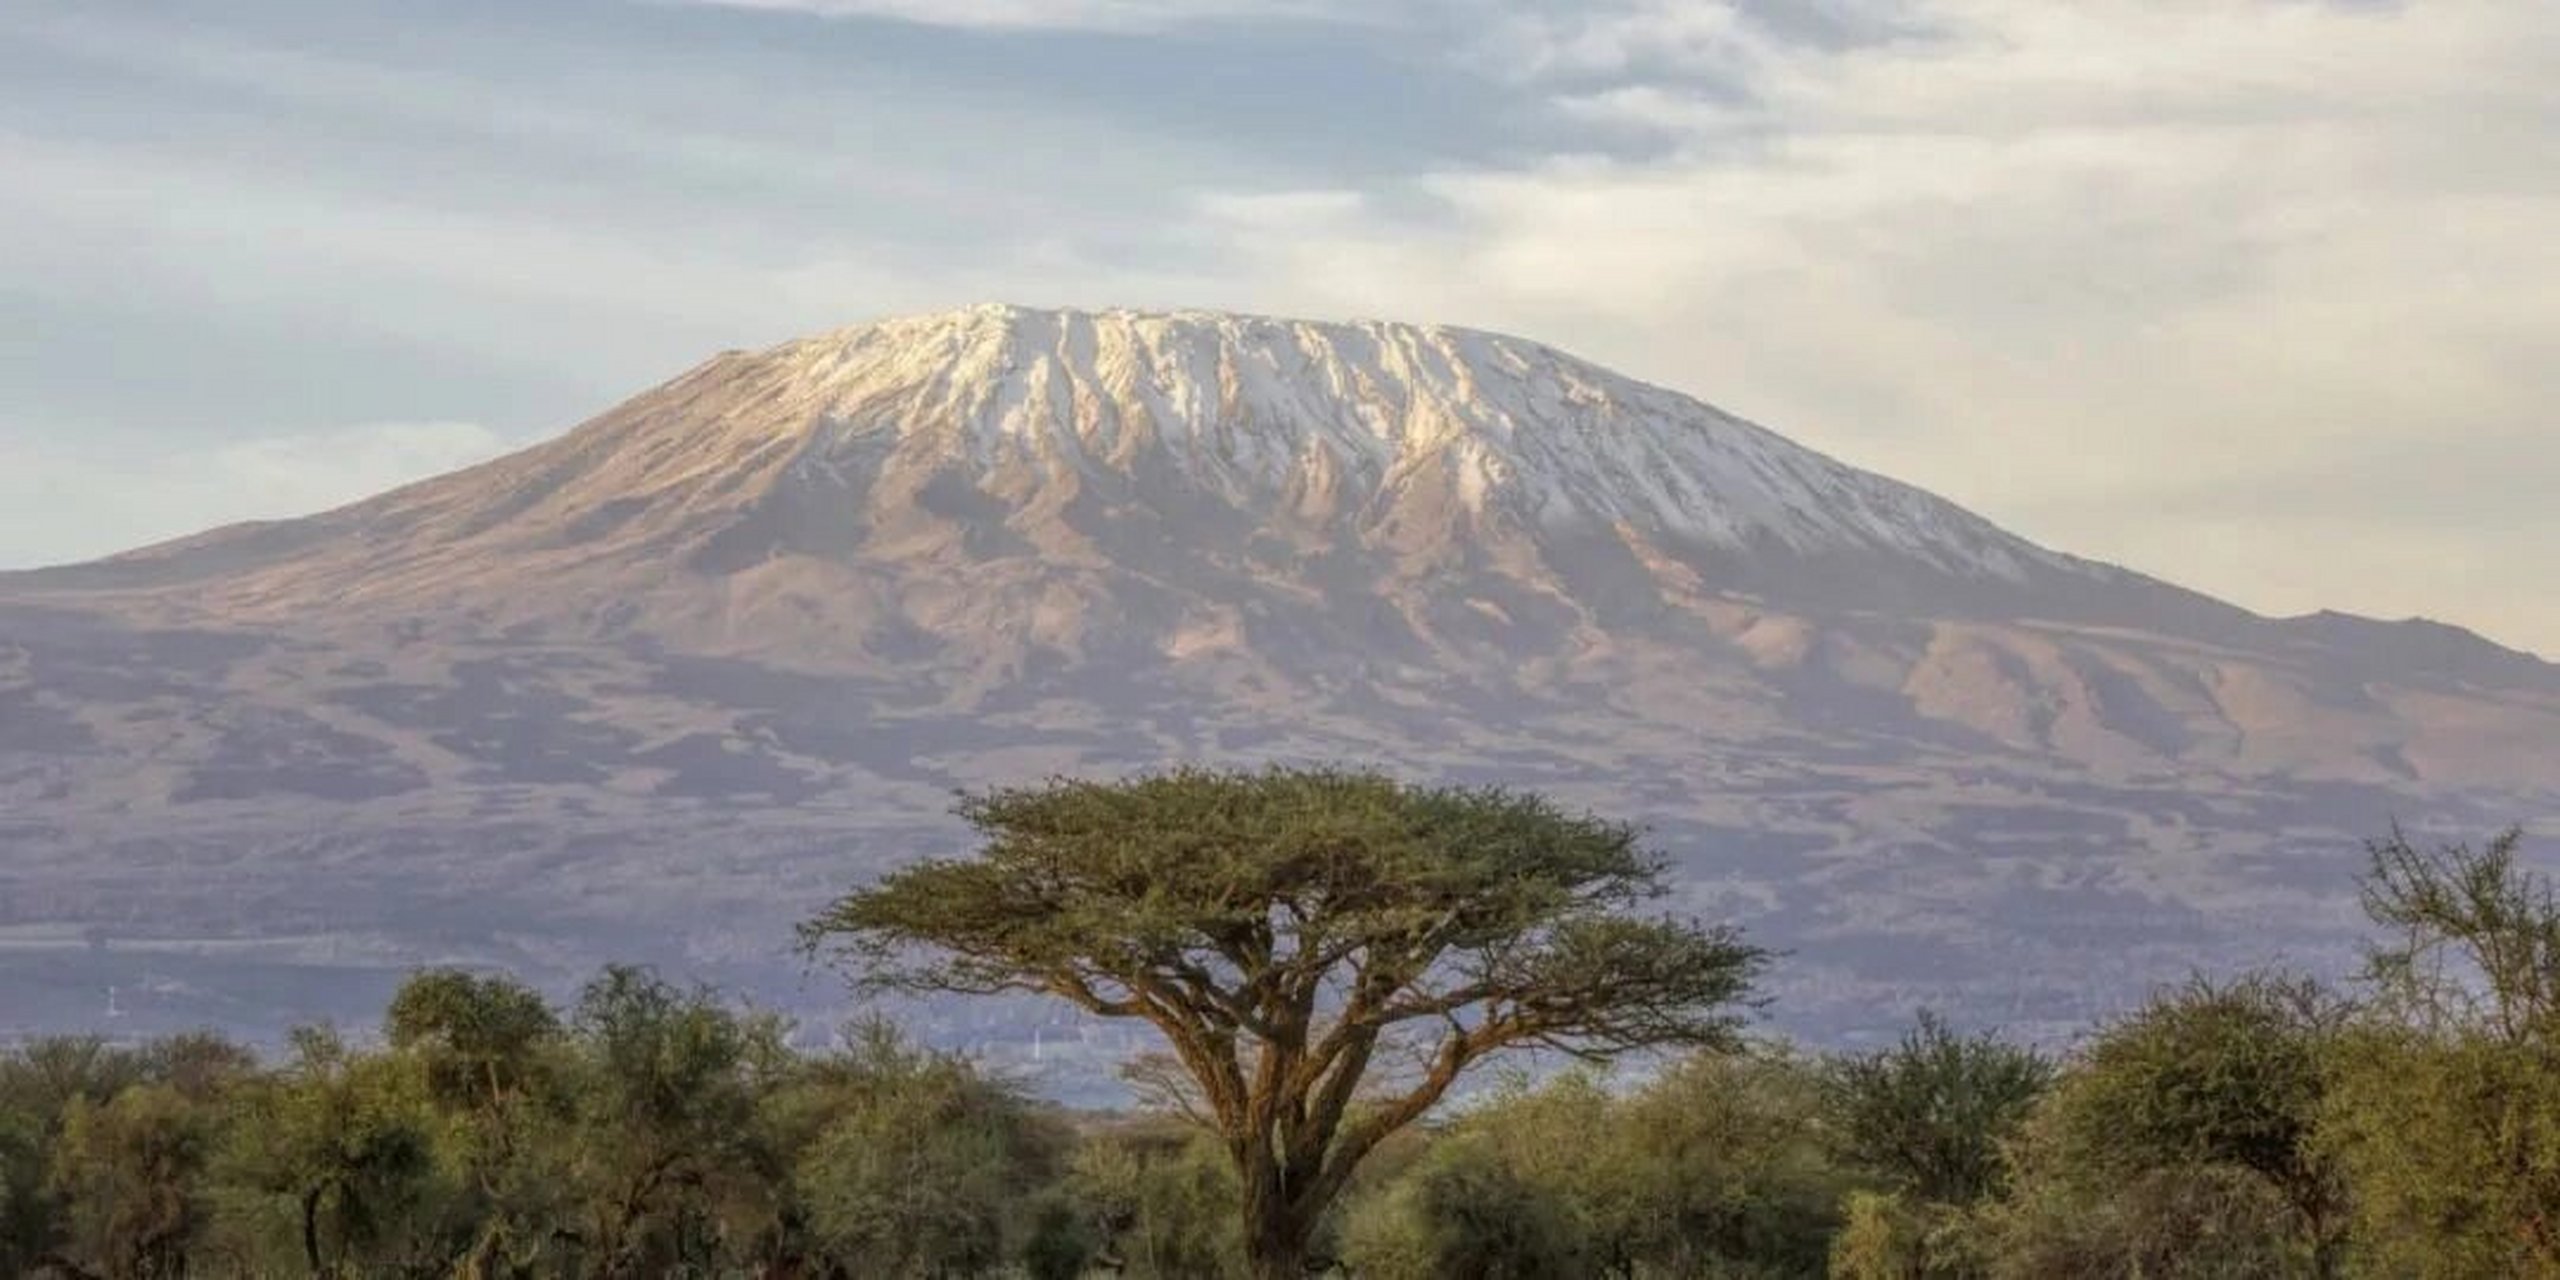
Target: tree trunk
311,1229
1275,1233
1277,1258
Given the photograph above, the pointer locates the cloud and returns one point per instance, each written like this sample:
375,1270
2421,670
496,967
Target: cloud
2257,296
559,234
1124,16
68,501
2199,287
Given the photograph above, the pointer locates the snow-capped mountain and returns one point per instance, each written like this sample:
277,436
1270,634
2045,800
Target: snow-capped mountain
688,654
897,443
1381,432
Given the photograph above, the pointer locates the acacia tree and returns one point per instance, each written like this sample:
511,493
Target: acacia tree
1293,934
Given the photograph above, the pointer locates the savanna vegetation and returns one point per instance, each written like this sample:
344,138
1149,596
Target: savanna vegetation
1405,1032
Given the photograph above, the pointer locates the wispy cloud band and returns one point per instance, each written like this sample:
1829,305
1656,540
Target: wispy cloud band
1121,16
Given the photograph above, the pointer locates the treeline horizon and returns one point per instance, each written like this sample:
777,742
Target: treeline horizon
2406,1123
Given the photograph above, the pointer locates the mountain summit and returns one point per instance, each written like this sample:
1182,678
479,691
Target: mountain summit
1398,434
664,671
1216,454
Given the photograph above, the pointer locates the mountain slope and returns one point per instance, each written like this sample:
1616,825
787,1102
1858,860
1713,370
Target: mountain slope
725,646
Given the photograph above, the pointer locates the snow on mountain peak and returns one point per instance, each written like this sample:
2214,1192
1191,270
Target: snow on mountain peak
1259,408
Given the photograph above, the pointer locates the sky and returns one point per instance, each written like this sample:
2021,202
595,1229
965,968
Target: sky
2259,296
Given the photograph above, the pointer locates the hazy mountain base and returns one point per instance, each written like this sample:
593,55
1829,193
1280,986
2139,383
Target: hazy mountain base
543,809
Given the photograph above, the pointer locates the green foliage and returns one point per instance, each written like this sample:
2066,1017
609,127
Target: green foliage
2063,1219
1719,1167
1729,1171
39,1083
2191,1120
2212,1074
333,1155
46,1076
665,1102
128,1171
1930,1115
2475,938
2446,1106
1060,1242
497,1067
67,1136
2451,1142
1888,1236
1161,1201
916,1165
1467,1214
481,1038
199,1065
2258,1127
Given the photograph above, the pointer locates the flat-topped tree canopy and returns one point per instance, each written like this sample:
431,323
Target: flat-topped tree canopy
1287,930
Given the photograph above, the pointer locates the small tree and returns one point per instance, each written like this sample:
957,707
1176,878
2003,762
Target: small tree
1289,933
1725,1171
665,1120
40,1082
131,1173
481,1038
2477,938
493,1055
913,1163
1717,1167
1931,1114
2446,1107
1465,1212
2063,1219
2182,1144
1159,1199
340,1140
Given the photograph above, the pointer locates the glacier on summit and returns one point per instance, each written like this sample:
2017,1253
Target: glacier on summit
1276,410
